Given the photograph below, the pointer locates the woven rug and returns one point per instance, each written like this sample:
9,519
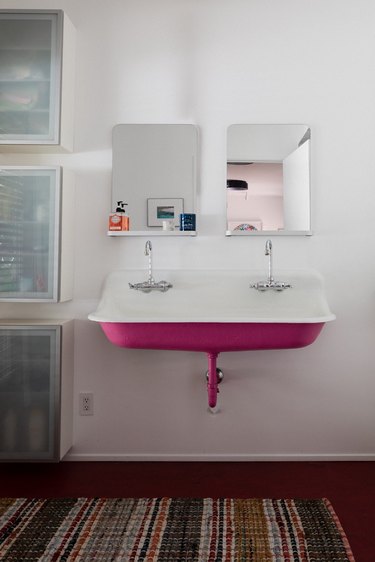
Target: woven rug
173,530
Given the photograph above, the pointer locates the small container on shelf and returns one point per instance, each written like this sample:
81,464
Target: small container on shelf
119,220
187,221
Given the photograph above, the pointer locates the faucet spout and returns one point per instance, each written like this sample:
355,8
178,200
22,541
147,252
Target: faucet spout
270,283
148,252
268,252
148,248
150,284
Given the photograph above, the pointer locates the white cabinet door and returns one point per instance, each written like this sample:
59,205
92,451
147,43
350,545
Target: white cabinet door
31,68
31,241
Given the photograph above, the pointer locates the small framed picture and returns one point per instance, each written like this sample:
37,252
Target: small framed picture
159,210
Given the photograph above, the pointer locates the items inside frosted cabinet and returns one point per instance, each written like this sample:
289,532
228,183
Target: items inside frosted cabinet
27,392
28,71
28,237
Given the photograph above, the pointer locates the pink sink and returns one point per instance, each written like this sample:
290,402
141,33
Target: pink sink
211,337
213,311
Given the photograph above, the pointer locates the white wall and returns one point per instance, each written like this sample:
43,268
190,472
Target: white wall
214,63
296,182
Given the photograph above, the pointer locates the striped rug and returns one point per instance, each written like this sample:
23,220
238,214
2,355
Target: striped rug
173,530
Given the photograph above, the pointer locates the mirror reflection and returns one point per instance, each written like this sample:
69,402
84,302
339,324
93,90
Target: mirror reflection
155,174
268,179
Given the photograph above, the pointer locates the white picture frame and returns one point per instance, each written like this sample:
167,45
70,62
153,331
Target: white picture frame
162,209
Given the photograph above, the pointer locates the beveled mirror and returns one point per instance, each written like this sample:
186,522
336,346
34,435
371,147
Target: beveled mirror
268,180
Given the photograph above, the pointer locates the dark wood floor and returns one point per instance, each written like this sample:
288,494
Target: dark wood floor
350,486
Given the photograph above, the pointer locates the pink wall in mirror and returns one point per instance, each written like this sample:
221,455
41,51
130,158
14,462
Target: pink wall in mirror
261,206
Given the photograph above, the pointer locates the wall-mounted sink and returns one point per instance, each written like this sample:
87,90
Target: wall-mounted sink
212,311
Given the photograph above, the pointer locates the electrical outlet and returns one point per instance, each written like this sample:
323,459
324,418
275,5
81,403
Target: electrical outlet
86,404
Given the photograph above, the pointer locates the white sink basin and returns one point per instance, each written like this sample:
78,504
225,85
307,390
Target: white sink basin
213,296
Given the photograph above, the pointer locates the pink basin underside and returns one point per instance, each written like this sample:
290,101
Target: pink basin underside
210,337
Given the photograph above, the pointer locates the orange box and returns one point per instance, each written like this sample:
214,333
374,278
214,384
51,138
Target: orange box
118,221
115,221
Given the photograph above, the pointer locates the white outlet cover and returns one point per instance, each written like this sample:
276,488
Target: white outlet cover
86,404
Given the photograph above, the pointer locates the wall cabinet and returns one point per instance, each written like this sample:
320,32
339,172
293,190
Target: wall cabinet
36,79
36,234
36,389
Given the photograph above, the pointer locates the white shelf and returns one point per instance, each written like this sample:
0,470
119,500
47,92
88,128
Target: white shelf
152,233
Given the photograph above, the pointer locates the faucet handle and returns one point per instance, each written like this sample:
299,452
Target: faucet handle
270,285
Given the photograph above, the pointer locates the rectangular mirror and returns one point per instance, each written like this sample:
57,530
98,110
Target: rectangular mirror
268,180
155,173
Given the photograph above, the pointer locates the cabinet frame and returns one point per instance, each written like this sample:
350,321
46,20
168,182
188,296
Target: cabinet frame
63,362
61,138
62,285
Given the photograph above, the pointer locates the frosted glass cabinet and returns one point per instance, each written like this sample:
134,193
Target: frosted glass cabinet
36,389
36,248
36,78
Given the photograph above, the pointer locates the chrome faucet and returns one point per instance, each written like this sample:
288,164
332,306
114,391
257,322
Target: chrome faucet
270,283
150,284
148,252
268,252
